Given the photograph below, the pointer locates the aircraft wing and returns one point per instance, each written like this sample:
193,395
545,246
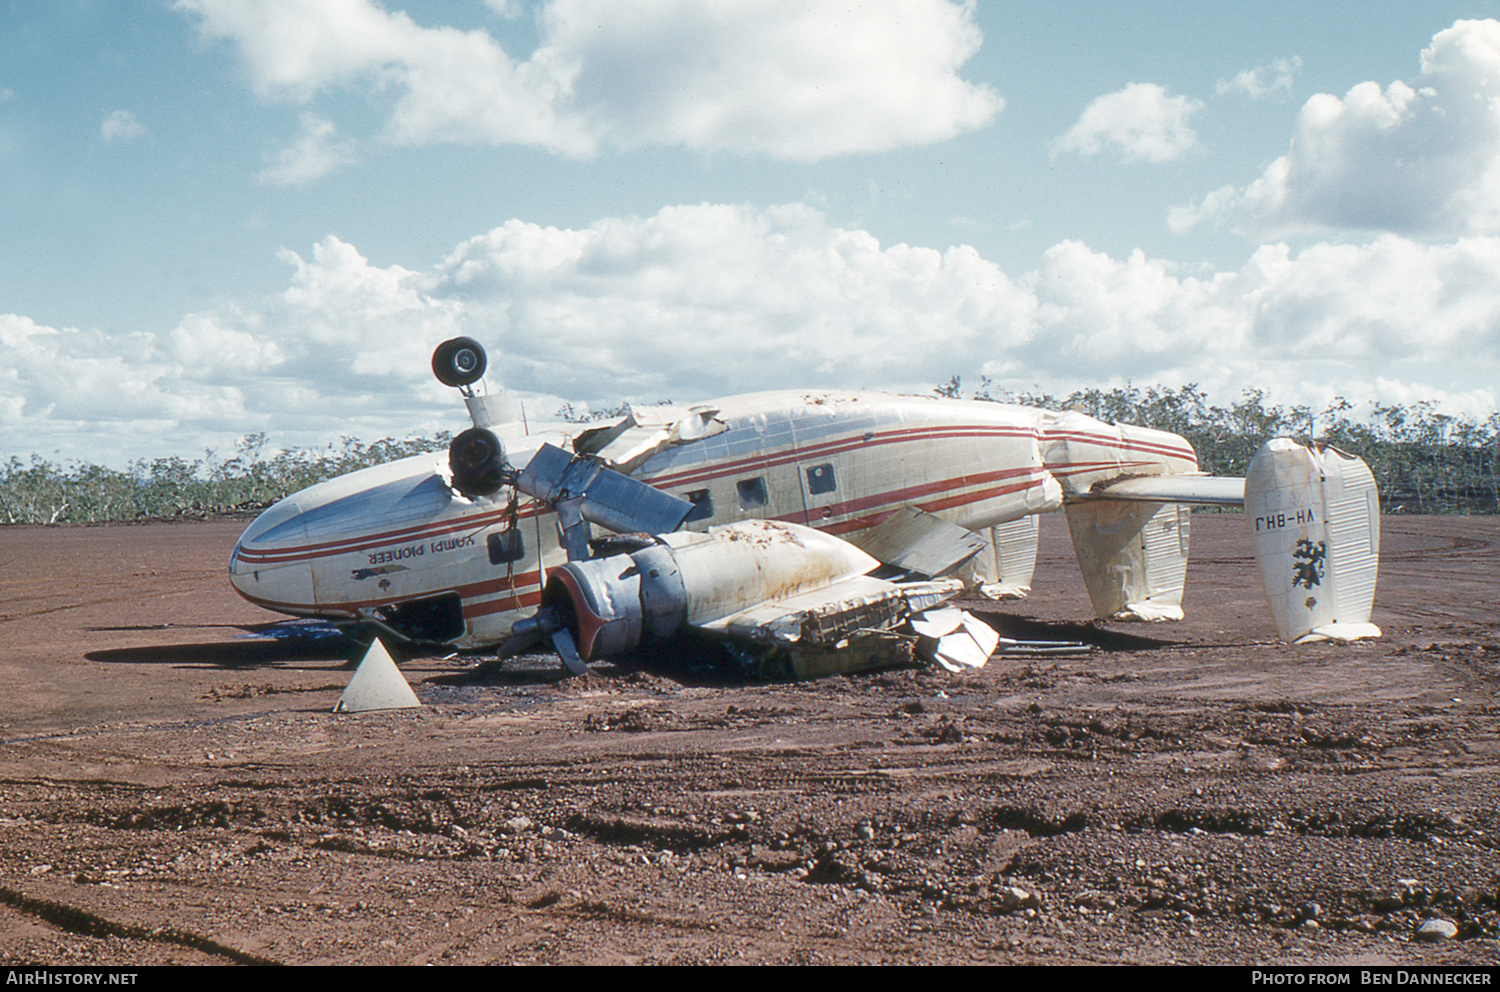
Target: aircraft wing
1212,490
780,590
832,613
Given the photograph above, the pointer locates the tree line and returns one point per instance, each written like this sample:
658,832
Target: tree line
1423,461
43,492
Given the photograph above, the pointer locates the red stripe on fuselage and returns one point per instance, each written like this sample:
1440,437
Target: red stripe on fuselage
466,592
1029,476
788,456
1125,444
698,474
419,532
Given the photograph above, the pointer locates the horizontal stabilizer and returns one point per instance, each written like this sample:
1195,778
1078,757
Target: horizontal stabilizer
1212,490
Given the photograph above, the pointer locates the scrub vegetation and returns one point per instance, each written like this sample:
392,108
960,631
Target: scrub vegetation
1423,461
43,492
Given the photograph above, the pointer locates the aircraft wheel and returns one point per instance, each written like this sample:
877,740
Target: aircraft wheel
459,362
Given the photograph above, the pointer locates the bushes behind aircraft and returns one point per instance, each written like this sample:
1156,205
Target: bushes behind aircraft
42,492
1423,461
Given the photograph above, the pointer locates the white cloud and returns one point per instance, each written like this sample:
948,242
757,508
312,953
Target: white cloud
121,126
1141,121
779,77
103,396
783,78
1265,80
314,155
734,299
708,300
1421,159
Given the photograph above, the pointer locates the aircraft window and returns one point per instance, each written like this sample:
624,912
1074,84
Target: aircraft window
820,480
506,547
703,505
752,492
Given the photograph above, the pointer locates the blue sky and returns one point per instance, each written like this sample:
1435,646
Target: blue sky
227,216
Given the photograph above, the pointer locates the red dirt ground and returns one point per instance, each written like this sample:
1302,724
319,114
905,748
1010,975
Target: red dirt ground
174,791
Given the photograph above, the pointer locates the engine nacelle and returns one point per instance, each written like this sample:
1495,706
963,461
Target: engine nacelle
613,605
476,458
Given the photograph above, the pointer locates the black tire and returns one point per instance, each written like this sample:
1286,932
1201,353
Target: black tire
477,461
459,362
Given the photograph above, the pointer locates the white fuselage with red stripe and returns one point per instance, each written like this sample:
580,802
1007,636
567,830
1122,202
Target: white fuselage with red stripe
397,534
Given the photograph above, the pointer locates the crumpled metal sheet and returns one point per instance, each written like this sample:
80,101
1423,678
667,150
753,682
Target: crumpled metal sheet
918,542
955,639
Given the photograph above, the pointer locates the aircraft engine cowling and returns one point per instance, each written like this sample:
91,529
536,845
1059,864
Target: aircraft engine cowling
477,460
614,605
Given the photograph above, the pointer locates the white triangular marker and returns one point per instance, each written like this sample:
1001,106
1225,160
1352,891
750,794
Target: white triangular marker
377,685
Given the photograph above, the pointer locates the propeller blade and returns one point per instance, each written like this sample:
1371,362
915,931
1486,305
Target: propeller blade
563,641
611,500
515,644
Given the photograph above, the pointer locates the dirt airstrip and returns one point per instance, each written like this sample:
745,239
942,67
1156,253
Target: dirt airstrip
174,789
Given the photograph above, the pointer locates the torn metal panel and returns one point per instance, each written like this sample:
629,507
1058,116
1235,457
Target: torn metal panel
955,639
629,443
684,424
831,614
590,441
918,542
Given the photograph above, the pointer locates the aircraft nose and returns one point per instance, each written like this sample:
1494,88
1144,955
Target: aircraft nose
265,567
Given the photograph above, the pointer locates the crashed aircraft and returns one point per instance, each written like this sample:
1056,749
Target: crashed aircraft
820,529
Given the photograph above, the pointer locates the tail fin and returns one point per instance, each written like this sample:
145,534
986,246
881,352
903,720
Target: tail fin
1133,556
1314,520
1004,566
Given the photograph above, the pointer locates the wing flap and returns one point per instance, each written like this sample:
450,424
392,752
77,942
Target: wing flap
915,541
